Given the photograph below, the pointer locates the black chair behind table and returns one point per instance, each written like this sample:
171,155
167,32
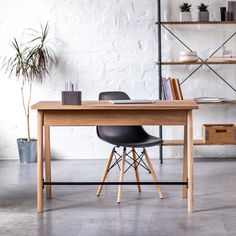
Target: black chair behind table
127,137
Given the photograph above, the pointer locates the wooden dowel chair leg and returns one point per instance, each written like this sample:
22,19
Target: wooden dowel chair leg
105,172
122,171
154,177
136,169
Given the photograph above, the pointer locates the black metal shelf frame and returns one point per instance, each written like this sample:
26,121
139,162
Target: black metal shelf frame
160,64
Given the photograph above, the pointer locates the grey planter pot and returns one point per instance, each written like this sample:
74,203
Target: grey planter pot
232,8
185,16
203,16
27,150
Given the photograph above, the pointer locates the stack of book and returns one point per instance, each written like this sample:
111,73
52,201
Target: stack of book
171,89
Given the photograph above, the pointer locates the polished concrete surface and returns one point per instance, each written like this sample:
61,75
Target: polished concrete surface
76,210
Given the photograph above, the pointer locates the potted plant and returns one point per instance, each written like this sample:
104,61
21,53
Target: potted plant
30,62
203,12
185,12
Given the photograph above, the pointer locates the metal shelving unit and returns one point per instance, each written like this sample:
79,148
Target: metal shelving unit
164,24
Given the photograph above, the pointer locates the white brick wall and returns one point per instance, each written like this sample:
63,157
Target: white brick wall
108,45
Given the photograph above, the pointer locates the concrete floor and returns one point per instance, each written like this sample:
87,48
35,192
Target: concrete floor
77,211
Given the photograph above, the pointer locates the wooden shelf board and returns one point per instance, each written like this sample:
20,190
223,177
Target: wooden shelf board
196,142
181,142
197,22
174,63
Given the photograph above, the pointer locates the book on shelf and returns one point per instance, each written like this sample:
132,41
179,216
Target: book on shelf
171,89
172,85
167,89
211,99
179,90
176,89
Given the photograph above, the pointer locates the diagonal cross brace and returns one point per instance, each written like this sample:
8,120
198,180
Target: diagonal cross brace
204,62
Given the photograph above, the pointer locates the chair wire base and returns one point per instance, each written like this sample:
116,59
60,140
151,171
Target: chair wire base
134,163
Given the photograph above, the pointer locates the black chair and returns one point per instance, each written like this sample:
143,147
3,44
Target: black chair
127,137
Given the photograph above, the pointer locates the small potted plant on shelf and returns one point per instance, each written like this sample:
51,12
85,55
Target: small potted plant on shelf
203,12
30,62
185,12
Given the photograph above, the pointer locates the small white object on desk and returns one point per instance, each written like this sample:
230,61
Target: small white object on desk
131,101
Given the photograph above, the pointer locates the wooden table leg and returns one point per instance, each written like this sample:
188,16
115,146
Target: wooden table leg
48,161
190,161
154,177
40,163
185,165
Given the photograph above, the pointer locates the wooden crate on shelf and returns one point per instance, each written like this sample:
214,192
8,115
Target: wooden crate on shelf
219,133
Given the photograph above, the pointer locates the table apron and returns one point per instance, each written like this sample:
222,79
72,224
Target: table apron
114,118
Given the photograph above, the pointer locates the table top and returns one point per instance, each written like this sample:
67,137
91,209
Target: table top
105,105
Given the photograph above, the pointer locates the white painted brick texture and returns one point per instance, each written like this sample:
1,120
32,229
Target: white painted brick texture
109,45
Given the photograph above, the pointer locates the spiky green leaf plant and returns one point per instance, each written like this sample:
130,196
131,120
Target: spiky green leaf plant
31,62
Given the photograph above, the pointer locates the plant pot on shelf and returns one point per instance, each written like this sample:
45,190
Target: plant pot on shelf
203,16
185,16
27,150
232,9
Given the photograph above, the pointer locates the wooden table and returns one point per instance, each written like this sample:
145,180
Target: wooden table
104,113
